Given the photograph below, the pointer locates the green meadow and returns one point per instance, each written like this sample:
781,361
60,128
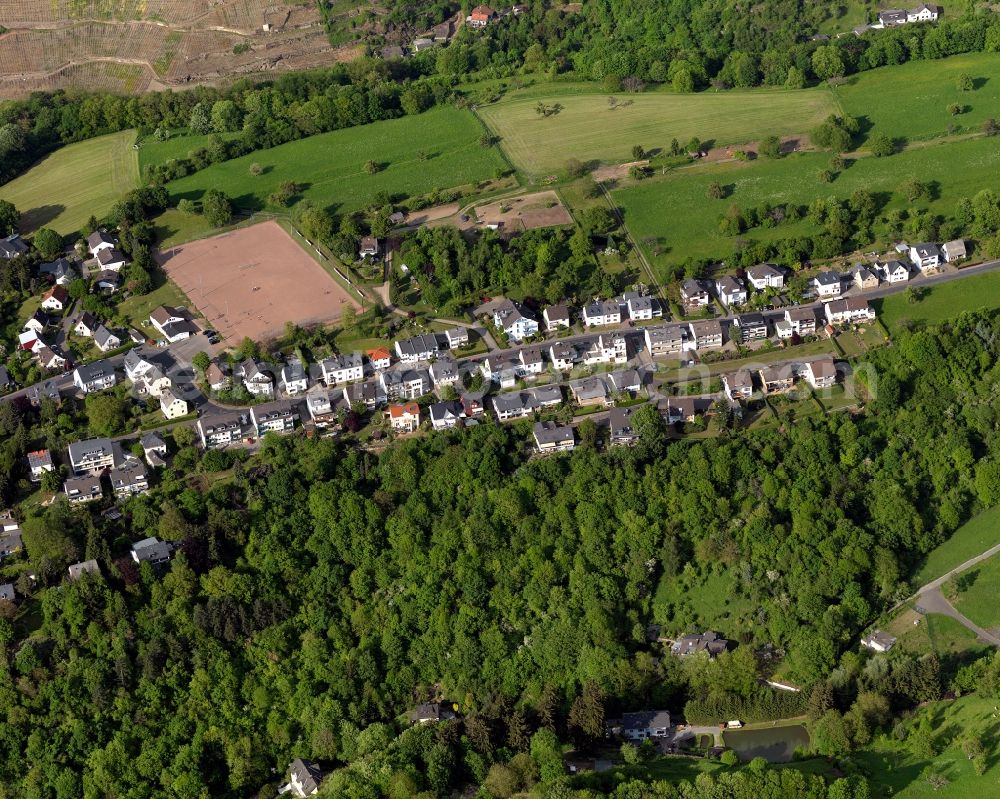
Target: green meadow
941,303
588,127
673,218
976,592
911,100
66,188
330,167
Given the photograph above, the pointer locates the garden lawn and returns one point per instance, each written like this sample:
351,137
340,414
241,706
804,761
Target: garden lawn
978,600
943,302
940,635
888,97
331,166
589,129
673,218
66,188
137,309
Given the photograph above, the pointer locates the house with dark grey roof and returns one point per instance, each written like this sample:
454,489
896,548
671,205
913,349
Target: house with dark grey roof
731,290
925,256
7,592
46,390
620,426
749,327
694,294
86,324
224,428
827,285
111,260
639,307
96,376
552,437
106,340
738,385
92,455
518,404
59,271
12,246
514,320
709,642
431,712
367,393
589,391
665,339
641,725
10,541
83,489
174,324
274,417
100,240
602,313
878,641
444,372
556,317
445,415
294,376
151,550
344,368
765,276
418,348
129,479
304,778
256,379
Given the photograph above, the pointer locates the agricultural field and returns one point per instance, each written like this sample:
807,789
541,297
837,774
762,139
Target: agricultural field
64,189
331,166
673,218
886,97
974,593
942,302
588,127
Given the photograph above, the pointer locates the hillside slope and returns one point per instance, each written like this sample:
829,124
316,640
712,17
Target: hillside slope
131,46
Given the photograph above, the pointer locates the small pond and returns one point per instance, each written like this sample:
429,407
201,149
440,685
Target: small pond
774,744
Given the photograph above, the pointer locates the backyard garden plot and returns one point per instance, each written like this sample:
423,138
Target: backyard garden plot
64,189
590,127
252,281
886,98
673,218
330,167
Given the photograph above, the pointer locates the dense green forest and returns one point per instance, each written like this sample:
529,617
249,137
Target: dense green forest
319,589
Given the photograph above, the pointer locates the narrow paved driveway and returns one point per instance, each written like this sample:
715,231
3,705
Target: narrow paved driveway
933,601
930,598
